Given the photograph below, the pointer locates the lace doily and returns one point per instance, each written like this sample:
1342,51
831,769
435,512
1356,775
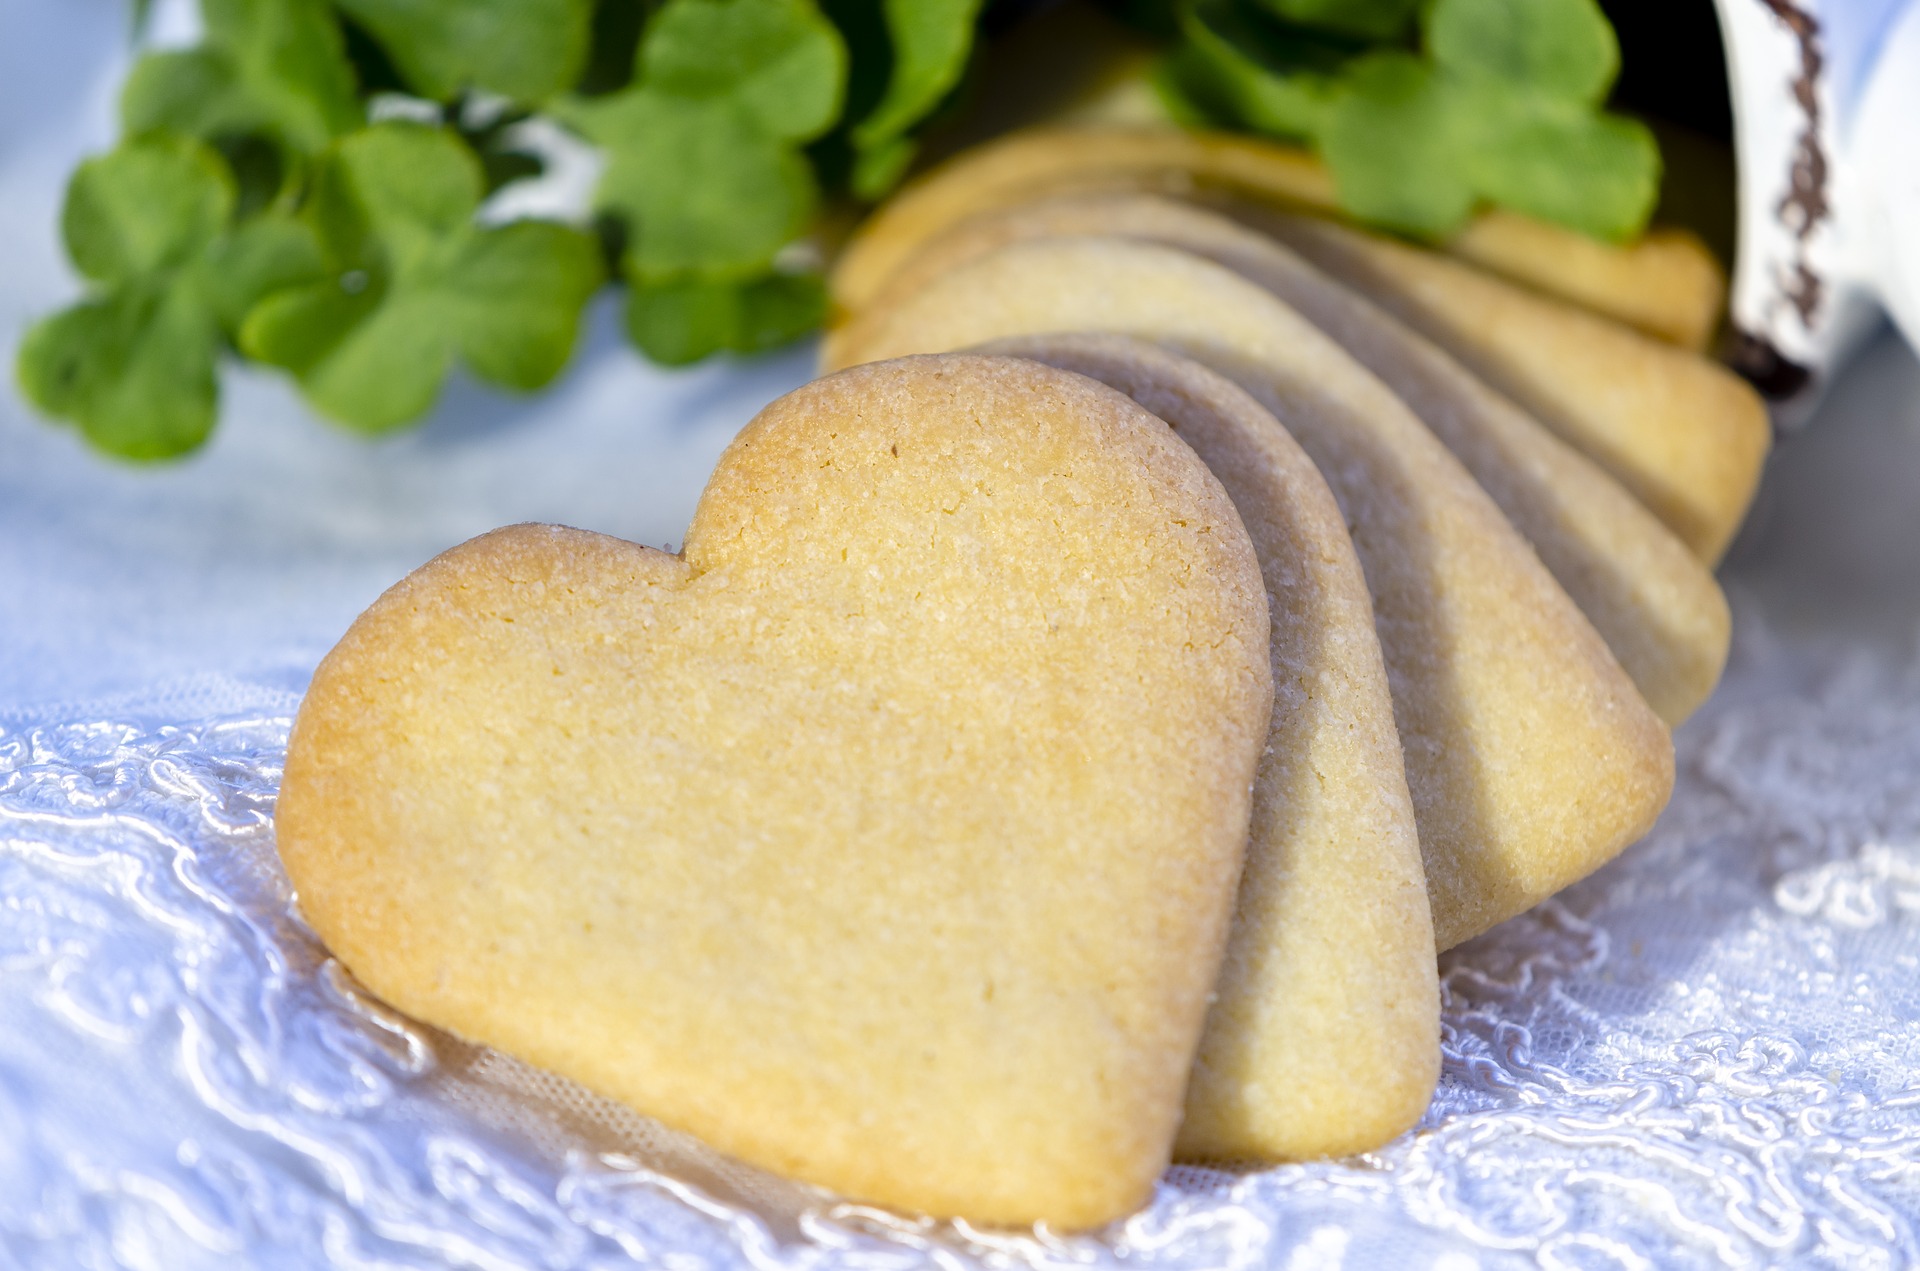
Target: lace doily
1707,1055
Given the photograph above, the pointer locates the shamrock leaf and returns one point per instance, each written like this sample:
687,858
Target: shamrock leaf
146,208
1366,19
134,363
1236,65
931,40
415,284
528,50
675,323
1531,139
1392,139
1553,48
134,368
269,67
702,150
703,189
1594,172
1502,109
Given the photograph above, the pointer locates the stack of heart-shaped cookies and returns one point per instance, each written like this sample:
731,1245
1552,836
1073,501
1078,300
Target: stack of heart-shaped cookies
1072,725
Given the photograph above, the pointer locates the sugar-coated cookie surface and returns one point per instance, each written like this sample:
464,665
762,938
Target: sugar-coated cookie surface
887,839
1656,605
1324,1036
1531,757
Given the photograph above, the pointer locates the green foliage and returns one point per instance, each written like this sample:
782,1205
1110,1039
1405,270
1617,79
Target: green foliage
705,171
1392,138
930,41
1503,106
675,323
703,150
271,67
1365,19
1564,50
146,208
253,208
1594,172
414,284
1235,65
134,369
150,226
528,50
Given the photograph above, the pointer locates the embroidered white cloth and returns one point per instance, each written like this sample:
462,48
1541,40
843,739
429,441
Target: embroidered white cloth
1706,1055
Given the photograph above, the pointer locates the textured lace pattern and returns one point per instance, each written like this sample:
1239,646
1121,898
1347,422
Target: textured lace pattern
1707,1055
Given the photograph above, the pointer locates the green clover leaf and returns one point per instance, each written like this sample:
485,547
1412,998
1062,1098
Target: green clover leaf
1591,171
1365,19
1392,139
1502,109
1235,64
133,364
135,370
931,40
269,67
528,50
414,284
703,188
703,159
675,323
147,207
1553,48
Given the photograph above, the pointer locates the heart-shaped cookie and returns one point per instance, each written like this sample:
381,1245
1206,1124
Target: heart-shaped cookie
887,837
1531,757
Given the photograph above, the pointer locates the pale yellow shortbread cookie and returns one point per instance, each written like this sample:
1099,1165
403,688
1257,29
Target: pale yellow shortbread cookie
1686,435
1656,605
1324,1036
1666,283
887,838
1531,757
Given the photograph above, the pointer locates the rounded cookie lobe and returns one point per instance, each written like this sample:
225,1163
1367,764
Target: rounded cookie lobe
888,840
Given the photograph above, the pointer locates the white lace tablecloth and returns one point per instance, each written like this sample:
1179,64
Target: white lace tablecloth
1707,1055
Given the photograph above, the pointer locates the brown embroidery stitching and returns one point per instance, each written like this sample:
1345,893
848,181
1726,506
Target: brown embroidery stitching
1805,203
